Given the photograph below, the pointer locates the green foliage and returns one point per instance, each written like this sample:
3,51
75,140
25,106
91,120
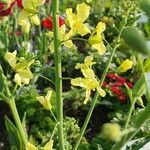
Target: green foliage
135,40
145,6
13,135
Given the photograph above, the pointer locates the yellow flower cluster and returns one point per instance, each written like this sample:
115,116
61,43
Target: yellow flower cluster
28,14
77,26
89,82
23,73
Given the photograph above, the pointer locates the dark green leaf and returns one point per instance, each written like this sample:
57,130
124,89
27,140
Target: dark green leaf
145,6
135,40
14,135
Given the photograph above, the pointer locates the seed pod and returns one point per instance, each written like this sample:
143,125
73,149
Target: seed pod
145,6
135,40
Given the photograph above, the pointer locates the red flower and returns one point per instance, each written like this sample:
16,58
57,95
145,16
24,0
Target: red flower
113,76
2,5
116,90
119,93
47,22
129,84
104,84
7,11
122,98
19,4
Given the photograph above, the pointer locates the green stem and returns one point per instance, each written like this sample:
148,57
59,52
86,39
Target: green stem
58,72
133,100
97,94
16,117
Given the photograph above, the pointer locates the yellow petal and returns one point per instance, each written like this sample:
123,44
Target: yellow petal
88,93
70,17
101,92
79,82
25,80
11,58
100,27
17,79
68,44
51,46
100,47
30,146
25,28
49,94
35,20
83,12
49,145
22,18
126,65
50,34
83,29
88,73
26,73
95,39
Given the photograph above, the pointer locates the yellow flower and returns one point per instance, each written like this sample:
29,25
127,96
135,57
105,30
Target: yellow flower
76,21
111,131
86,67
126,65
89,82
45,100
96,38
30,6
64,38
23,73
89,85
28,14
30,146
49,145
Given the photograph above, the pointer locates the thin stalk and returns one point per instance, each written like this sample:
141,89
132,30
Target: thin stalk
129,117
16,117
46,79
97,94
58,72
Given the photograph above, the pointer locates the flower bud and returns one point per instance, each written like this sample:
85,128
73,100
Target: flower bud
111,131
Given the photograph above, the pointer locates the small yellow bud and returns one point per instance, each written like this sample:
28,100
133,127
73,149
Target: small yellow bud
126,65
111,131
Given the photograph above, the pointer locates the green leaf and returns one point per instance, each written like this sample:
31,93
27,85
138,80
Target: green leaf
2,79
147,65
13,135
139,87
129,91
145,6
135,40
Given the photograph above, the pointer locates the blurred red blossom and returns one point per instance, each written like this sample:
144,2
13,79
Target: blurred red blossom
115,85
47,22
7,11
19,4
